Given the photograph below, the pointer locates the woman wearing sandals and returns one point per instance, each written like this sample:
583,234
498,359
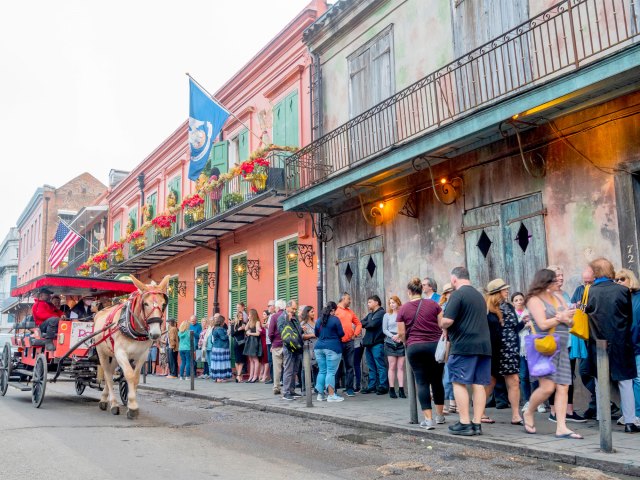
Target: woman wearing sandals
505,345
253,346
549,311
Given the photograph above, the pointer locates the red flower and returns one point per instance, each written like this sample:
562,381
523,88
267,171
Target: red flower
134,235
100,257
192,201
84,266
115,246
163,221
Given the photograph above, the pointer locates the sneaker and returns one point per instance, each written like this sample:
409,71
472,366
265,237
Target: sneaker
382,391
589,413
525,407
296,395
576,417
427,424
552,418
542,409
335,398
288,396
440,419
477,428
321,397
350,393
465,429
620,421
269,382
356,390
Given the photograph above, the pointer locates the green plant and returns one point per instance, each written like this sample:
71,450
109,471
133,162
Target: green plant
232,199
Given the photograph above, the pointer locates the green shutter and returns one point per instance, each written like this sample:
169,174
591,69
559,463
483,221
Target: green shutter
172,307
219,156
152,201
133,215
202,293
287,271
243,145
279,124
117,231
291,134
238,283
175,186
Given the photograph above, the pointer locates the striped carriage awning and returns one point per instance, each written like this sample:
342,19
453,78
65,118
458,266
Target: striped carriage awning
80,286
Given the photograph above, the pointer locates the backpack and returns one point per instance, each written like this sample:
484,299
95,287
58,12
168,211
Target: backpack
291,338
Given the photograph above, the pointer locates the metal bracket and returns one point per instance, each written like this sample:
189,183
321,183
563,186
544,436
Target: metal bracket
253,269
410,208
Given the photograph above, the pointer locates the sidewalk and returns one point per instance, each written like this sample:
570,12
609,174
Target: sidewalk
389,415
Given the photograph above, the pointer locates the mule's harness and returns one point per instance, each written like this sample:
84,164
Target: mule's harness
126,323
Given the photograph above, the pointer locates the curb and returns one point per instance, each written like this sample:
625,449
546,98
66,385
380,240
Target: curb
575,460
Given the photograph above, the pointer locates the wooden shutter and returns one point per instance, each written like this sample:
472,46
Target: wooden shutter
287,271
359,88
243,145
202,293
220,155
133,215
291,120
279,124
172,306
117,231
175,186
238,283
152,201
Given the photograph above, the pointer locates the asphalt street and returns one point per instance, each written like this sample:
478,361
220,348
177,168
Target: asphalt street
180,438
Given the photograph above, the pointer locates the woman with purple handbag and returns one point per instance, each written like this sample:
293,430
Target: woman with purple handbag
547,350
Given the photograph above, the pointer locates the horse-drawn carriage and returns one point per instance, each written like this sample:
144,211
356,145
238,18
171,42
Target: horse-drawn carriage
72,355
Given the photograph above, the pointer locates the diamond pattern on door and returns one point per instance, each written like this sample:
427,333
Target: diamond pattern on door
348,273
371,267
484,243
523,237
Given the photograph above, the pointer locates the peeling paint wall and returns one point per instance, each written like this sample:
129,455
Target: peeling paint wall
581,221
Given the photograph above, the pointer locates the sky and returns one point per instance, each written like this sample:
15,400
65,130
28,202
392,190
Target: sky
87,86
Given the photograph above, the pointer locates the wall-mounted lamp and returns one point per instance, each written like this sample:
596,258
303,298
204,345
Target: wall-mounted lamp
253,269
304,252
240,269
206,277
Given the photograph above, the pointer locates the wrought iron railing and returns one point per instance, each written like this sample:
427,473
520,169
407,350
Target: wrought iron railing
563,38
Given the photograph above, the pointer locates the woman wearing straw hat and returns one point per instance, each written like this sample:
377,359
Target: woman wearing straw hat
505,344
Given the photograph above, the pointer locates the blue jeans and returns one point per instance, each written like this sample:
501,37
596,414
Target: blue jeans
328,362
377,367
448,386
185,363
636,386
357,365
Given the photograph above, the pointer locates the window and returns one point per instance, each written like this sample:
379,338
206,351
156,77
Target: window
133,216
201,299
287,270
14,281
238,283
117,231
239,148
371,73
220,156
11,318
175,186
285,121
172,306
152,202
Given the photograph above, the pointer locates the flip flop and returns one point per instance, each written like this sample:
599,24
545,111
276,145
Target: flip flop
487,420
571,435
519,422
528,428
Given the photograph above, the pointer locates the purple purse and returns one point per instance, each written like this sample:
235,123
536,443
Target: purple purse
540,365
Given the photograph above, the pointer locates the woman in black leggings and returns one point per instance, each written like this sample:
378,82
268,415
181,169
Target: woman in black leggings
418,327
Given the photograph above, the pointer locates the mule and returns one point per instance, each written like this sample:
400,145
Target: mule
135,325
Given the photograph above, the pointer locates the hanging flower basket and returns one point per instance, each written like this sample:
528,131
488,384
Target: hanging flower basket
118,256
100,259
84,270
137,241
163,224
193,207
255,171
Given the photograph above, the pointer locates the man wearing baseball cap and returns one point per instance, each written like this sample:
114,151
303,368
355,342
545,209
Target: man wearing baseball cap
46,316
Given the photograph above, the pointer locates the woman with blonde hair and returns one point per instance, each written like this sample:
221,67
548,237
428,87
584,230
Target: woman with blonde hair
393,347
253,346
184,347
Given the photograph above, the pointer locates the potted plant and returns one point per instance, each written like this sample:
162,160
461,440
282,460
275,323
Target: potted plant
193,206
115,249
137,240
163,224
100,259
83,270
255,171
232,199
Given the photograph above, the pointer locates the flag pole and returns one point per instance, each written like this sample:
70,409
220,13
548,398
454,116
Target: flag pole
220,103
72,229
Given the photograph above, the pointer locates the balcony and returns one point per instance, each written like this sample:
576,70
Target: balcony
560,40
227,208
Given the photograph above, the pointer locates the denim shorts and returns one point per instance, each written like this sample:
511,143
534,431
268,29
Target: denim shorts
470,369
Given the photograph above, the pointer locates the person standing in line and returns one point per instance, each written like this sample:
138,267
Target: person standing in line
173,348
628,279
430,289
373,342
271,310
358,353
549,311
292,360
308,324
503,314
253,346
202,348
465,320
184,336
394,348
610,311
419,330
265,372
352,328
446,381
276,344
329,332
237,330
526,385
220,358
242,309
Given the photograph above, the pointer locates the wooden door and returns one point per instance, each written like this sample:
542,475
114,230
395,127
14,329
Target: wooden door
348,277
524,240
483,244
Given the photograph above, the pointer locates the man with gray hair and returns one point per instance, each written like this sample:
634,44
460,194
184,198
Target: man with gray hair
276,344
292,359
430,289
271,309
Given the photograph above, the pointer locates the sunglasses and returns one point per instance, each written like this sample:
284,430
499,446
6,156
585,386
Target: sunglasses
621,279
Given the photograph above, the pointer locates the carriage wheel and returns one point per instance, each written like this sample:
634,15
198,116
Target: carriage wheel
5,365
123,387
39,380
80,386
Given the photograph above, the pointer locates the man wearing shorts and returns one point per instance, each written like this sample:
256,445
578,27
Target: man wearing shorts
465,320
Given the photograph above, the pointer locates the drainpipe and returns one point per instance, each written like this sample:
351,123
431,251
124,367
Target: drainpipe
216,304
320,286
141,185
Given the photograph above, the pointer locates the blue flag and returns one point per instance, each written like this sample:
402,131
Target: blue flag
206,119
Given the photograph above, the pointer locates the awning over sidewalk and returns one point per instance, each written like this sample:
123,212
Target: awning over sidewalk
250,211
13,304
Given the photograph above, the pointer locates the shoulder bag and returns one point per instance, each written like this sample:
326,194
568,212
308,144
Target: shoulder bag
580,319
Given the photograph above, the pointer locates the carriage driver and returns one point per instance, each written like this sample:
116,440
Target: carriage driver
46,316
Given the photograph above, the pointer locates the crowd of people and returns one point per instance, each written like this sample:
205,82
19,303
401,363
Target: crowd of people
464,346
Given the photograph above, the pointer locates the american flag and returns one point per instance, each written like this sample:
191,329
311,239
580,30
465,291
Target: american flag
63,241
